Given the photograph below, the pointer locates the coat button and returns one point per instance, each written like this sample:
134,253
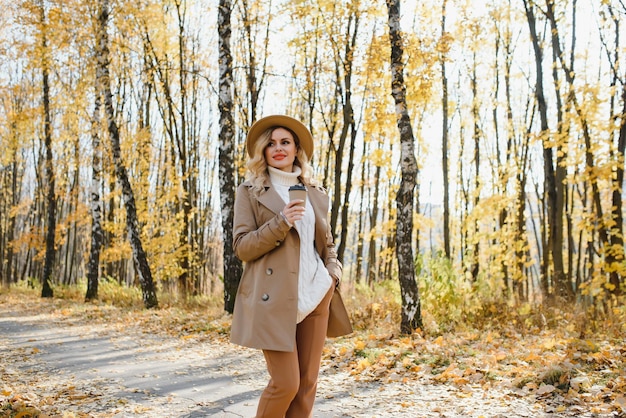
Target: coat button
277,243
269,272
265,297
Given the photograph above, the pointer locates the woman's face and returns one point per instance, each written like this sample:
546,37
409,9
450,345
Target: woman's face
281,151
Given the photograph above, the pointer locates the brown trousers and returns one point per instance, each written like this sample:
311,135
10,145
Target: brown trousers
291,390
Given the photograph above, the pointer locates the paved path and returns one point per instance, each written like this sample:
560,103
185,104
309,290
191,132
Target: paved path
147,376
111,371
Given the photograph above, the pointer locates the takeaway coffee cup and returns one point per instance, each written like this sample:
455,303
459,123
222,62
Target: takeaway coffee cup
298,191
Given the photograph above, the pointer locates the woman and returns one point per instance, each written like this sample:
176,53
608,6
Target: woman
291,266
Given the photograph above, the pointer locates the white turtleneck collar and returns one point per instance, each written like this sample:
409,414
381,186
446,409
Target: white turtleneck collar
284,178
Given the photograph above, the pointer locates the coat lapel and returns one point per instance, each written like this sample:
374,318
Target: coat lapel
271,199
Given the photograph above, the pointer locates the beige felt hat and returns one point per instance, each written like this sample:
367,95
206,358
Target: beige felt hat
294,125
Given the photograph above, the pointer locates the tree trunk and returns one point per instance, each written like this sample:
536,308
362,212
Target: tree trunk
46,290
372,259
10,271
232,265
444,142
72,234
185,263
555,234
343,71
257,57
615,255
132,224
475,267
349,127
360,234
562,282
520,239
411,309
97,234
345,210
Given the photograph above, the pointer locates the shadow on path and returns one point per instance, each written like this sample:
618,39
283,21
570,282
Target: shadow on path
129,373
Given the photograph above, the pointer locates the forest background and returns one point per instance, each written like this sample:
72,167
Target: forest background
122,132
122,128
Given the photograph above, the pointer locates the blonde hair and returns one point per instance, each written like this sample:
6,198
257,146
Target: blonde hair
257,166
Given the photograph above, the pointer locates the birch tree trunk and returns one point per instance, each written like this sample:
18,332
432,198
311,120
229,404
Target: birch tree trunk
46,290
97,234
232,265
411,305
132,224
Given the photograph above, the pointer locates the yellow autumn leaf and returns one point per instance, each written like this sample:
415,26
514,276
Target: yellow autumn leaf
532,357
549,345
27,412
460,381
415,368
363,364
406,341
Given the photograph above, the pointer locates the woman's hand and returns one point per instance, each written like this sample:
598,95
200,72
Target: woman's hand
293,211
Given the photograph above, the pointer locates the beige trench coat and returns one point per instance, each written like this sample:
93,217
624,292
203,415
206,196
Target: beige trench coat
267,299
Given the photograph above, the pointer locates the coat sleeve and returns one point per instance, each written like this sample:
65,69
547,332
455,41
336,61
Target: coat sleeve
329,255
250,240
333,265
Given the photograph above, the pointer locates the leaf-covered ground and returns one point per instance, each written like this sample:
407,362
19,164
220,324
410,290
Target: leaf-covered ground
507,370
